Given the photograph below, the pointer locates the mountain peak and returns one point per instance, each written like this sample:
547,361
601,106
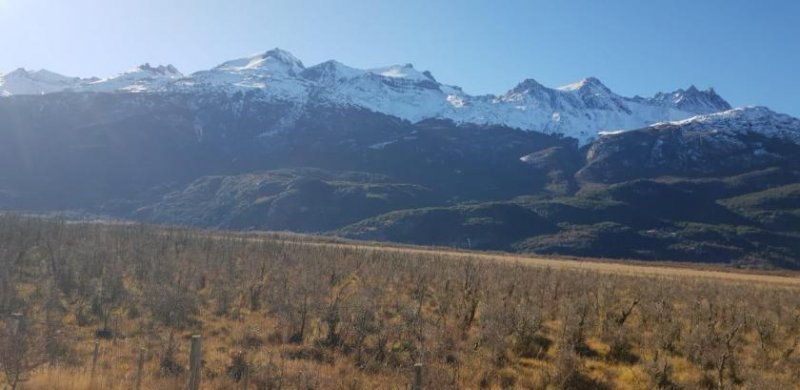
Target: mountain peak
528,84
592,81
330,71
403,71
34,82
693,99
693,90
589,83
527,89
331,64
18,72
161,70
37,74
273,61
43,75
283,56
142,78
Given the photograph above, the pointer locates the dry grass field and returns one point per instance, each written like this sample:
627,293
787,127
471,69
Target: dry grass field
280,311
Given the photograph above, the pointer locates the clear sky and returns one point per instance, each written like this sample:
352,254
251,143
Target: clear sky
748,50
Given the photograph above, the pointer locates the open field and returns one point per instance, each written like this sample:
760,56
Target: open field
289,311
657,269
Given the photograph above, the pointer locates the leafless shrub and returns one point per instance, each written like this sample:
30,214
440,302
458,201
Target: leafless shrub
617,335
267,376
568,372
17,350
361,316
173,306
238,367
660,373
169,364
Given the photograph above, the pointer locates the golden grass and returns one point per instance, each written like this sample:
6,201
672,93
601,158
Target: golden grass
476,320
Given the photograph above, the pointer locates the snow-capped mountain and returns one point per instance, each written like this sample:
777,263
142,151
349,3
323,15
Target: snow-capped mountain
275,72
143,78
580,110
691,99
739,139
751,119
25,82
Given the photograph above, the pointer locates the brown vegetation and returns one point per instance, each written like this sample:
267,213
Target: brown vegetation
276,312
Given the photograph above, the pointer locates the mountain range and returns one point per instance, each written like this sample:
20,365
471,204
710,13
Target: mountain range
264,142
580,110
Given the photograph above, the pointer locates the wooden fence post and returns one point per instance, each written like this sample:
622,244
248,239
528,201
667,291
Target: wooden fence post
95,356
140,369
246,380
417,377
195,357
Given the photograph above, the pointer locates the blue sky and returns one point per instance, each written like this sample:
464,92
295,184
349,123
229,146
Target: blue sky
747,50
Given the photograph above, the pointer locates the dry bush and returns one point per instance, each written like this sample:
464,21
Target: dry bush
284,311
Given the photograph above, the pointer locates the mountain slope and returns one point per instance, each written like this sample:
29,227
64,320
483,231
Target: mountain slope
307,200
729,142
721,188
101,147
